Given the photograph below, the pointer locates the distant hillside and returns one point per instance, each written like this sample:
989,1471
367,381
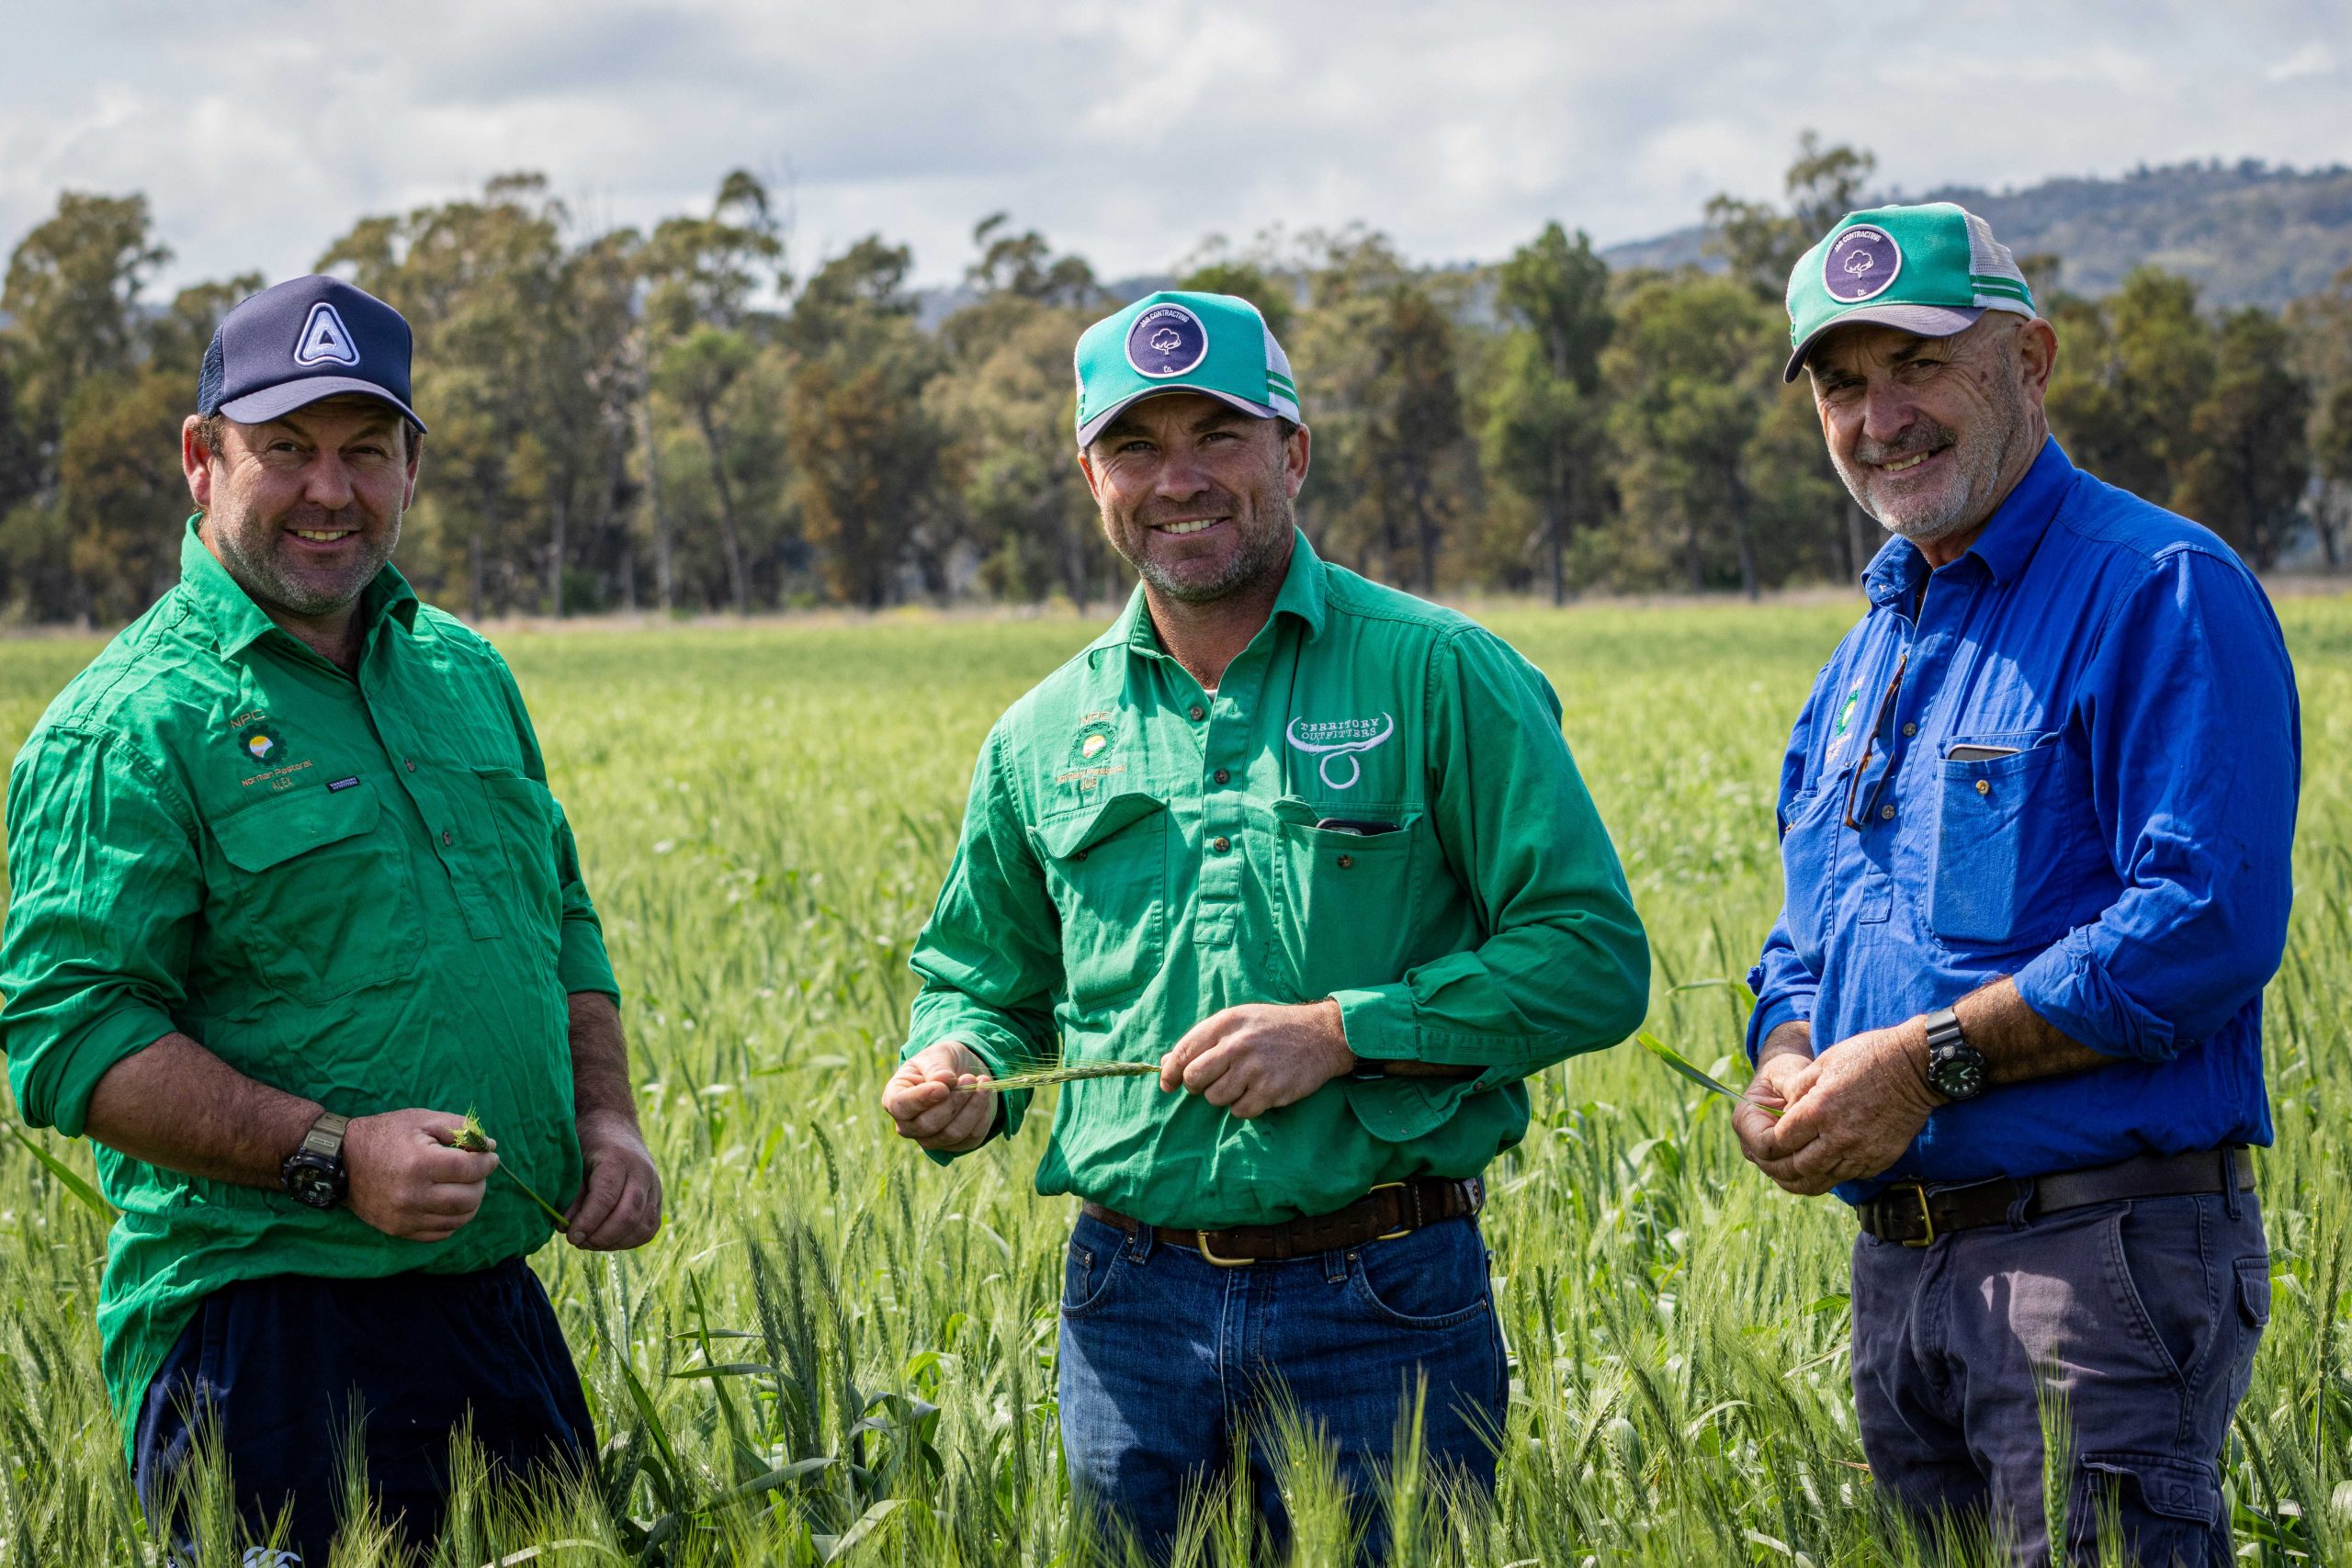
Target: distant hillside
2247,233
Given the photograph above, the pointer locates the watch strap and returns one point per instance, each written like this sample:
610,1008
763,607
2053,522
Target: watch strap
325,1136
1944,1029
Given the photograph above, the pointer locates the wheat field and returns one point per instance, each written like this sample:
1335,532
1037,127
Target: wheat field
838,1352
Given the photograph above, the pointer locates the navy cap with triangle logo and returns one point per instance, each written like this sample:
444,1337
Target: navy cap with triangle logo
302,340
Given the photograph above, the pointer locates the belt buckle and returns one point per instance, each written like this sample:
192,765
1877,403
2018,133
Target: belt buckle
1927,1216
1404,1230
1200,1238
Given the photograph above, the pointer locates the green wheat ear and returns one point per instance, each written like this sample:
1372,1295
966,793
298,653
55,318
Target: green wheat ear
1045,1077
472,1138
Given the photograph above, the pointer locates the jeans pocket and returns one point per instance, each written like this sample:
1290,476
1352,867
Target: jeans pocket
1423,1286
2164,1282
1087,1275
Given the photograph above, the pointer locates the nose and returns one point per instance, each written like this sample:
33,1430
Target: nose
1887,410
1182,475
326,482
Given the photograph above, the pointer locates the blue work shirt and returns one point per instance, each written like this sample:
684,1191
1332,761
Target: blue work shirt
2118,844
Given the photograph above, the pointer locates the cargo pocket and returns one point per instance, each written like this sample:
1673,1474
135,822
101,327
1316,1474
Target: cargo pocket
2003,849
315,896
525,815
2254,1292
1349,901
1106,868
2153,1508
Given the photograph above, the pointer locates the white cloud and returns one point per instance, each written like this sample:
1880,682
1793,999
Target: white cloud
1125,131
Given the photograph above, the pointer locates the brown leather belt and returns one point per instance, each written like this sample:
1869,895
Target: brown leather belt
1916,1214
1389,1210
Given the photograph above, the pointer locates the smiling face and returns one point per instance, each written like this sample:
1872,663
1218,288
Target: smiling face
1196,494
304,511
1931,434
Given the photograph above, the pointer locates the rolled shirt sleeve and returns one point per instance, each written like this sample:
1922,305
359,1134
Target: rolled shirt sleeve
104,890
989,957
2193,732
1565,965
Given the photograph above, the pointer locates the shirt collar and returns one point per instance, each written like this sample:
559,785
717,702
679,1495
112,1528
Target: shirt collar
1303,594
2010,537
237,622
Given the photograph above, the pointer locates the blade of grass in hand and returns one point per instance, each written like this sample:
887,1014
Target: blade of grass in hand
1682,1064
1045,1077
474,1140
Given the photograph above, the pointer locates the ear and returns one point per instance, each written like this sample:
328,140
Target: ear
196,462
2036,348
1296,455
1093,480
414,439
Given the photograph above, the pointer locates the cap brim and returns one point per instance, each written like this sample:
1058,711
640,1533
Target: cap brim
1093,427
275,402
1924,321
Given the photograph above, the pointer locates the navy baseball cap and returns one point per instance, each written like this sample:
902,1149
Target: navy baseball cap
305,339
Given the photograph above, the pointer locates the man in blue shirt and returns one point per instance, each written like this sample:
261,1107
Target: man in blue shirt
2035,821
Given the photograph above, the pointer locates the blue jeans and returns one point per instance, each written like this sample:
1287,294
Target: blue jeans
1170,1365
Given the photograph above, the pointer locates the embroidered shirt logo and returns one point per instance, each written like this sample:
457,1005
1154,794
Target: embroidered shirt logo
1340,741
260,743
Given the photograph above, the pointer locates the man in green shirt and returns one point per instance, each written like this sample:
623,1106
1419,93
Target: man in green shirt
1315,851
289,898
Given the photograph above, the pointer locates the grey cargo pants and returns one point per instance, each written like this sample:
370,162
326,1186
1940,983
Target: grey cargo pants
2141,1316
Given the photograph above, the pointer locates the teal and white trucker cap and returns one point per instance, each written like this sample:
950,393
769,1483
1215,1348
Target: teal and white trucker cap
1176,341
1932,269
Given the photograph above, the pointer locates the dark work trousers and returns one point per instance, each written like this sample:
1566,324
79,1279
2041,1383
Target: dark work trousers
2139,1319
279,1364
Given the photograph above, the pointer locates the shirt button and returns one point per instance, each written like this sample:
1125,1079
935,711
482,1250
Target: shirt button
1886,813
1910,730
1983,786
410,763
1198,713
1347,861
445,837
1220,845
1223,777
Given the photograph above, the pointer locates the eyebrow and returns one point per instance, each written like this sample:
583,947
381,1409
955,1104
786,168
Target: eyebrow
1219,419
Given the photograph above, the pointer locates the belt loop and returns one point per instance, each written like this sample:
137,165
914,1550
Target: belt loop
2021,1207
1139,1241
1335,1266
2230,1182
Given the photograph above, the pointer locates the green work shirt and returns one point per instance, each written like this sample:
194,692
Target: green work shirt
355,889
1138,853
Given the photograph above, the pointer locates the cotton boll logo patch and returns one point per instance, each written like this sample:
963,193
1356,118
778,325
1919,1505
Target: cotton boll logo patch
1862,264
1166,339
1338,742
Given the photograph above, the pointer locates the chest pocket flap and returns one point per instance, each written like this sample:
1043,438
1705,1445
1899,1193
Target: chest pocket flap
1106,868
270,831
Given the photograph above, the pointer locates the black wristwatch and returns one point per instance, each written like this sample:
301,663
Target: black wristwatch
314,1174
1955,1068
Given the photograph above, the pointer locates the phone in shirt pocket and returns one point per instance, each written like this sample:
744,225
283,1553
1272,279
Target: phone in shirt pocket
2006,825
1346,894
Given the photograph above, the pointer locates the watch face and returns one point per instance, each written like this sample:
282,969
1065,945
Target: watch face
311,1184
1960,1076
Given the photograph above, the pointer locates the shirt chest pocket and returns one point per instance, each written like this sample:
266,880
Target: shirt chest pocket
523,816
1106,868
2005,843
1348,902
1809,846
313,894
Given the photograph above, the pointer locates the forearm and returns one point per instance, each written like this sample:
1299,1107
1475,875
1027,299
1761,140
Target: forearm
2017,1043
177,1106
1794,1038
600,1083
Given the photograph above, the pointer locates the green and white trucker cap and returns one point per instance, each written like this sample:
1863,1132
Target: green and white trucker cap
1931,269
1176,341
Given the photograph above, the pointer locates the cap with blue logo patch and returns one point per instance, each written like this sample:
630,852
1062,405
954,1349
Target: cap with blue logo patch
1178,340
302,340
1933,269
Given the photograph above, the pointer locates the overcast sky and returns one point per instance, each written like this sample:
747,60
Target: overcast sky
1125,131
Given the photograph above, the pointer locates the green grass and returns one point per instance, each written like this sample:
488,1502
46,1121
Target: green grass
836,1351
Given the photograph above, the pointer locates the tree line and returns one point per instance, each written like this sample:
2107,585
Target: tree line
683,418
